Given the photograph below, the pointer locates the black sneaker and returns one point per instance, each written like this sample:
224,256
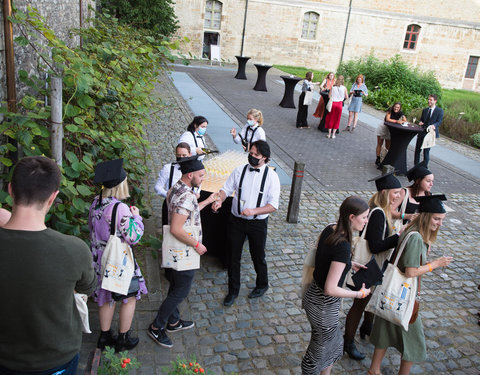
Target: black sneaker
181,325
160,337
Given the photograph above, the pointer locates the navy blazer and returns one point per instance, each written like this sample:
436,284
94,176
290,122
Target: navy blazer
436,119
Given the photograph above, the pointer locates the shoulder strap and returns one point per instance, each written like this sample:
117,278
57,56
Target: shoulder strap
262,186
170,179
253,133
194,139
240,188
400,248
113,224
384,225
403,207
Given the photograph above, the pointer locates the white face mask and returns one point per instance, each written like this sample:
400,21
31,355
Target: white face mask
251,122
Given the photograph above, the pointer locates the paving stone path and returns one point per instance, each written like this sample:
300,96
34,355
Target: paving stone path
269,335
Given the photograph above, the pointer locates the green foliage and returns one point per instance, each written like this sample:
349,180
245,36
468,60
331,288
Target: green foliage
156,16
475,140
383,98
185,367
111,364
107,93
466,103
318,75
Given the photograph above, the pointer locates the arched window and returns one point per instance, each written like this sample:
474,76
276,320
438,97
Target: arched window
310,22
213,14
411,37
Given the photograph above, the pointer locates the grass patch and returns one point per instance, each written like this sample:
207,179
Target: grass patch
318,75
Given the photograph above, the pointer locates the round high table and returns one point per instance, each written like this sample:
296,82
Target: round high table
321,126
242,63
290,83
261,84
400,139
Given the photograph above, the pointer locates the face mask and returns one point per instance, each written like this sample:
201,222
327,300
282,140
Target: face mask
201,131
253,161
250,122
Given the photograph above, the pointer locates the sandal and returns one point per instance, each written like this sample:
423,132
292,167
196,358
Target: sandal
347,129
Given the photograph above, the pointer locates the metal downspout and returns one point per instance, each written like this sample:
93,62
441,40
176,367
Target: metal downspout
244,26
346,31
10,67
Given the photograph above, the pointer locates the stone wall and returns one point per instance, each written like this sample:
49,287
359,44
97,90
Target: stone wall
61,16
450,33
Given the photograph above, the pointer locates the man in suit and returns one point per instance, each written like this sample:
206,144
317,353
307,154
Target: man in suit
431,116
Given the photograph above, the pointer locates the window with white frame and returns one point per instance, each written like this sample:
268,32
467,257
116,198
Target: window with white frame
310,22
213,14
411,37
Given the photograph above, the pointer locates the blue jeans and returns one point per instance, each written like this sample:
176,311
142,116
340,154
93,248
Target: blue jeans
69,368
180,284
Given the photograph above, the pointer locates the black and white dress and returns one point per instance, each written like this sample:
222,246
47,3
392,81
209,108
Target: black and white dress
326,343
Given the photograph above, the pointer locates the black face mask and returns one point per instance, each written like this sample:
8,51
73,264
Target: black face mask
253,161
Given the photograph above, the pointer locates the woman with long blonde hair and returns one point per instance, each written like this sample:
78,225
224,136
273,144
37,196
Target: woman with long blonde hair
413,263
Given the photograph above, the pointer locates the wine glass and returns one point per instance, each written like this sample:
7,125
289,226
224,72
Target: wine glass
443,275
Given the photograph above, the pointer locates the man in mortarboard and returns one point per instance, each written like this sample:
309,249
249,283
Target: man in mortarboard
183,210
40,269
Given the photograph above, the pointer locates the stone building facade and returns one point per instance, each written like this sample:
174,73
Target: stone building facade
61,16
438,35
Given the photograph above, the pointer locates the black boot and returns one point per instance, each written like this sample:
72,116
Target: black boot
377,161
105,339
351,349
365,330
125,342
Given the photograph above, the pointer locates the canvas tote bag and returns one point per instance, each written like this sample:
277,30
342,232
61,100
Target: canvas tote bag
117,261
394,300
178,255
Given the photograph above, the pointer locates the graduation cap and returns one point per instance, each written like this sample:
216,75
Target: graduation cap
190,164
432,203
386,181
110,173
418,171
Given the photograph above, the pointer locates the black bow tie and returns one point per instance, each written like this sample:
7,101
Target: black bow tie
199,136
254,169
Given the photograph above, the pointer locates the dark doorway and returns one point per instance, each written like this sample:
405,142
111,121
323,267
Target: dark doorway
209,38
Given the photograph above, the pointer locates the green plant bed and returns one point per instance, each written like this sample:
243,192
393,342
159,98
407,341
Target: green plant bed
318,75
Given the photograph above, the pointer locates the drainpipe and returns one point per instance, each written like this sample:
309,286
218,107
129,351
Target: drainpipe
244,24
346,31
10,67
81,21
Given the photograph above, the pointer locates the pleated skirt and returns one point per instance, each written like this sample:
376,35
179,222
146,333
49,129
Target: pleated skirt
326,343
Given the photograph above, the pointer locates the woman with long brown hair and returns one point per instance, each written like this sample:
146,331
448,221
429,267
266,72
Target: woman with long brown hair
322,299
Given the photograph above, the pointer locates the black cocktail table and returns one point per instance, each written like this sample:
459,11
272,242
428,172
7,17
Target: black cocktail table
321,126
242,63
261,84
400,139
290,83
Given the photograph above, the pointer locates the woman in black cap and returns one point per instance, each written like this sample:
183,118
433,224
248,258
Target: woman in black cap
413,262
422,185
130,228
380,240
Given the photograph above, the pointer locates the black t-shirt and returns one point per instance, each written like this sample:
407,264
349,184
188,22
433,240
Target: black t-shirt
396,115
327,254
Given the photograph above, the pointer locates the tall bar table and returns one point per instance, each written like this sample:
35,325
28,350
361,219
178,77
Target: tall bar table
321,126
242,63
261,84
290,83
400,139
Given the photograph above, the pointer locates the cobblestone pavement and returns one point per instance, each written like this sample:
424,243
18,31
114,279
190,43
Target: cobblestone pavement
269,335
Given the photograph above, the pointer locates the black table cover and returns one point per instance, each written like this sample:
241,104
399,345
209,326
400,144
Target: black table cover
290,83
242,62
261,84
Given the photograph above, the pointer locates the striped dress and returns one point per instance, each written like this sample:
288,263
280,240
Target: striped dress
326,343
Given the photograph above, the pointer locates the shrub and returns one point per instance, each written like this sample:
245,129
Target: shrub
111,364
384,97
475,140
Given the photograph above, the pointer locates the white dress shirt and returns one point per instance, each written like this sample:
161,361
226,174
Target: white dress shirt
161,186
250,137
338,93
188,137
251,188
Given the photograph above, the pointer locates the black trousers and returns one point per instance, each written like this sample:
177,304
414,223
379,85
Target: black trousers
302,112
256,232
418,149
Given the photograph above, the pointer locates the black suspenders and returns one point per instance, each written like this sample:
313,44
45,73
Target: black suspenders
194,139
253,133
260,194
170,179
